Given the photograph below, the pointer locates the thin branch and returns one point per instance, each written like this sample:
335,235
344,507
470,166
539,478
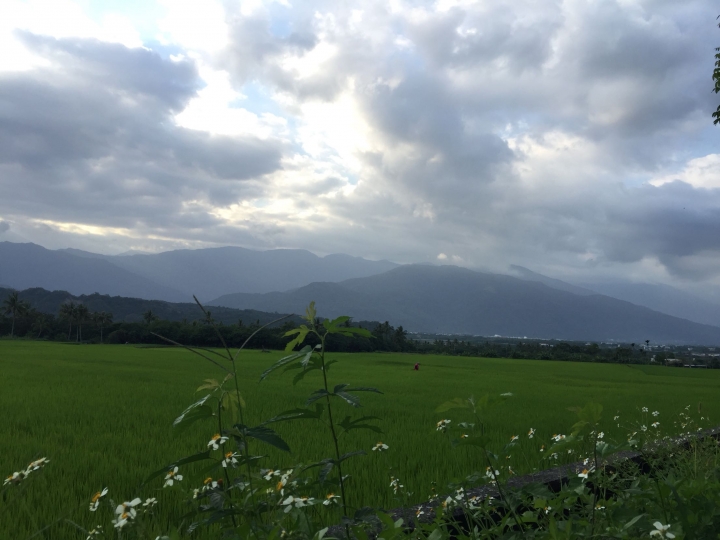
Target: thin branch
192,351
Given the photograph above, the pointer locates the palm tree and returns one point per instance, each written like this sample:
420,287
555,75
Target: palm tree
102,319
82,314
14,307
149,317
67,311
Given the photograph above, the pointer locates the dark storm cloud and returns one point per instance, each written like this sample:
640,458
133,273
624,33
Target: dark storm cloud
91,139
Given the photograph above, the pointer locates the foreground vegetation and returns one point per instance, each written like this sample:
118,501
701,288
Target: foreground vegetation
103,416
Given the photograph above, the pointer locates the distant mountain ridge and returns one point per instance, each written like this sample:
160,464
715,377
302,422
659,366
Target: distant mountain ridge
175,276
132,309
449,299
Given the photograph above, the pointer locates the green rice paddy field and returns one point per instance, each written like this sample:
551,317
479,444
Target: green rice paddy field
103,416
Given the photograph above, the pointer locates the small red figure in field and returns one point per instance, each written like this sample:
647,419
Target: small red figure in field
417,366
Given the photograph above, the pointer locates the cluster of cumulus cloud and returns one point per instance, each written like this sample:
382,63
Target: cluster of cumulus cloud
571,137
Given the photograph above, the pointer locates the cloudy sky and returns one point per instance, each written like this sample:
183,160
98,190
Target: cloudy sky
571,137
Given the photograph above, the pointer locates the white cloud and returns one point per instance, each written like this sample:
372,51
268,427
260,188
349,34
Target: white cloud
702,172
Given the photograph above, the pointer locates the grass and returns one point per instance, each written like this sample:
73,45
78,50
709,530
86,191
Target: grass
103,416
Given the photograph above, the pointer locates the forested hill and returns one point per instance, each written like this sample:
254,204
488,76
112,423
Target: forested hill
132,309
453,300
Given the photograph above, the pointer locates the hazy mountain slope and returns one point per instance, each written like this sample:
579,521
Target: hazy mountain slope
662,298
23,266
529,275
449,299
132,309
209,273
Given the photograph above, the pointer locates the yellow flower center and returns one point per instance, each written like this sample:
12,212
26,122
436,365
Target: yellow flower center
207,480
228,455
125,515
279,486
96,497
216,437
330,496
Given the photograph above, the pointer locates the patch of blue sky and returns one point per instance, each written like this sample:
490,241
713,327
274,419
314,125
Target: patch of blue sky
143,14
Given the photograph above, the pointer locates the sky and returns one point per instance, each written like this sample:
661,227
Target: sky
574,138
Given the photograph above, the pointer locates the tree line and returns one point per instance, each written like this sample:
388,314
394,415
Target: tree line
74,322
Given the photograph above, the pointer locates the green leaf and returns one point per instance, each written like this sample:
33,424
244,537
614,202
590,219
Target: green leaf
184,461
198,413
310,313
210,384
591,413
354,453
301,331
298,414
317,394
352,400
350,331
457,403
363,389
264,434
198,403
347,424
325,469
330,326
633,521
284,361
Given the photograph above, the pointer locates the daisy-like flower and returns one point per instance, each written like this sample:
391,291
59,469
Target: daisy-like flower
464,436
37,464
171,476
547,509
270,473
514,438
558,438
474,502
655,424
149,503
216,441
615,418
599,507
585,473
331,499
297,502
661,530
601,435
230,459
196,492
95,501
419,512
15,478
92,533
542,448
395,484
125,513
656,413
586,461
489,473
380,447
643,427
531,433
442,425
210,484
554,455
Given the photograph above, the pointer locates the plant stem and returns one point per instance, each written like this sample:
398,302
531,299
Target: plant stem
332,430
500,491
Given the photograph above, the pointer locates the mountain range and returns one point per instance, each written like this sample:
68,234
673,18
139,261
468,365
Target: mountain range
450,299
176,276
238,277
